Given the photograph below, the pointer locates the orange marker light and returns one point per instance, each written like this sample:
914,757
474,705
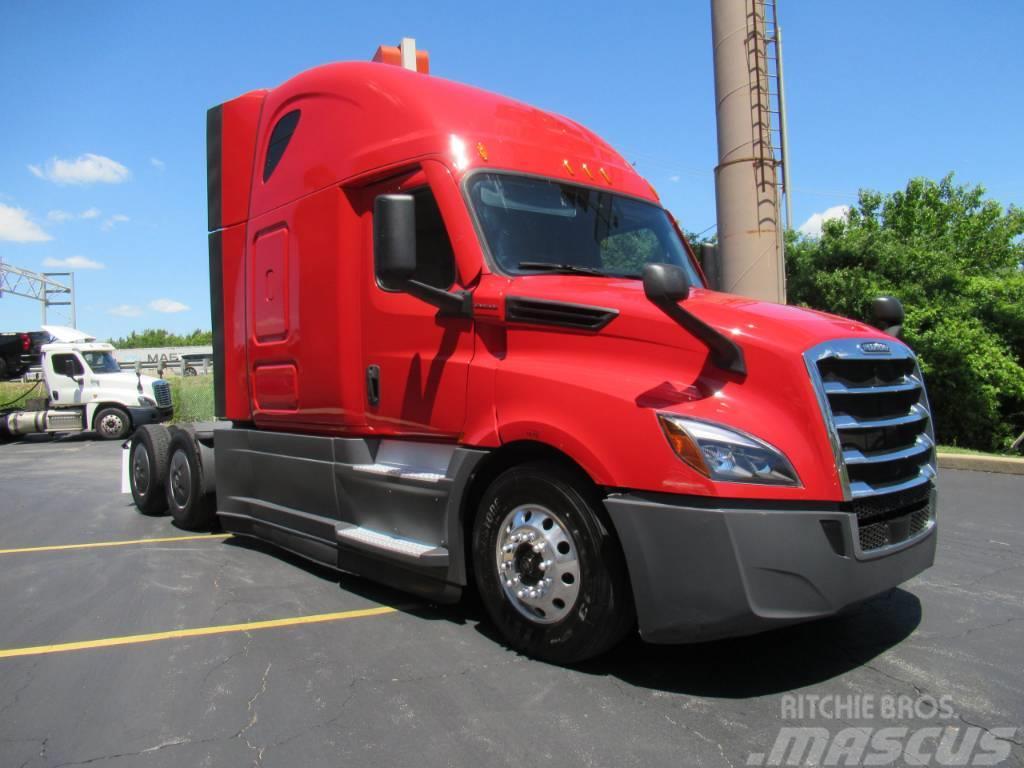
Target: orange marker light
481,150
604,173
568,167
684,446
587,171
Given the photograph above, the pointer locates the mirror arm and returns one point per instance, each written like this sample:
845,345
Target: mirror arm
725,353
450,303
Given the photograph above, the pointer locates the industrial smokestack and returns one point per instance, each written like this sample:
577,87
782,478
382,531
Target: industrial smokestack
746,190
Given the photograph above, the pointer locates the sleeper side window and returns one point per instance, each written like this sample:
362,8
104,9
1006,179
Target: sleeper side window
279,138
435,259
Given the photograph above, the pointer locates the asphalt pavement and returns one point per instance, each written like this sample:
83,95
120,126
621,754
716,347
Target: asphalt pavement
330,678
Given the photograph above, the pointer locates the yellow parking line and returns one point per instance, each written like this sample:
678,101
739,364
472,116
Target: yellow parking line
113,543
107,642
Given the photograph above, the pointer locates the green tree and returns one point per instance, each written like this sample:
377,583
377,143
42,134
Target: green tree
954,258
158,337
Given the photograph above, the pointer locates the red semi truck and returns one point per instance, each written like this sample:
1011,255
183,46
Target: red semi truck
459,344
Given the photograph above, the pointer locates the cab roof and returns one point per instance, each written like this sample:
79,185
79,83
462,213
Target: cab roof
356,118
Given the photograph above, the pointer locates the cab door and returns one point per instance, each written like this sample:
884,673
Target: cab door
65,390
416,363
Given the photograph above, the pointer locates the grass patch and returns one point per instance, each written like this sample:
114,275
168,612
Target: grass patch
972,452
12,390
193,398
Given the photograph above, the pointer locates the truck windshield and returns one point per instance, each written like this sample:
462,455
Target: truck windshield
533,225
101,362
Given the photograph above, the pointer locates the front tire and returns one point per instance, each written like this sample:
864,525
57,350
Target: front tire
112,423
549,571
191,509
148,462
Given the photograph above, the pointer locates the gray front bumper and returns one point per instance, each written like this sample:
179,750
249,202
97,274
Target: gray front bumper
704,573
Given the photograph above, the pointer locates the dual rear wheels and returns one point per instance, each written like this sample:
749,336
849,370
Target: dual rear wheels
166,474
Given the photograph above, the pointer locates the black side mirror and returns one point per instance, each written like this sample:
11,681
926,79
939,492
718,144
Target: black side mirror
666,282
665,286
394,254
394,239
887,315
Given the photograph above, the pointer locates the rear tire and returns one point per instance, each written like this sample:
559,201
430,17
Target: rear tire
191,509
148,463
550,572
112,423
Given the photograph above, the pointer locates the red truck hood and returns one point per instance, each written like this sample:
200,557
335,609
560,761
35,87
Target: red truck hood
781,328
644,359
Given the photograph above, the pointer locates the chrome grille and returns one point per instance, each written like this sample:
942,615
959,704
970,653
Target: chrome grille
876,410
162,392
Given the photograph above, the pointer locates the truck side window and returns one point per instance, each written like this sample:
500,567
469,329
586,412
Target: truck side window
435,259
60,364
279,138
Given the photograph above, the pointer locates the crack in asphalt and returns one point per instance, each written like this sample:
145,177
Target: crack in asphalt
254,717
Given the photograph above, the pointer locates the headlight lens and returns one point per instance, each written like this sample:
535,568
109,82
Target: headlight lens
147,401
721,453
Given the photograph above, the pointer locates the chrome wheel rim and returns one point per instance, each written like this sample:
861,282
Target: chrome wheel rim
111,424
538,564
140,469
180,476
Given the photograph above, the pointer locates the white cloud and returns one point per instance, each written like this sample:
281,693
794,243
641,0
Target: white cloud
117,218
674,178
812,227
72,262
169,306
157,163
16,226
125,310
59,216
85,169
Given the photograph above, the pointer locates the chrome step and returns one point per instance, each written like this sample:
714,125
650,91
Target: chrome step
396,546
390,470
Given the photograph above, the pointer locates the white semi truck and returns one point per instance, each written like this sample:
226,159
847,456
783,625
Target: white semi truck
86,389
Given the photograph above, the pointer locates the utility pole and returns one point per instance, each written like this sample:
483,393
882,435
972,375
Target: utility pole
747,194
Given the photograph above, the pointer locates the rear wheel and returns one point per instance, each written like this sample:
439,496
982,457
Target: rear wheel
191,509
148,462
550,573
112,423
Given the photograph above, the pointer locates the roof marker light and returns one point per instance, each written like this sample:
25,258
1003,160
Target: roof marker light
568,167
604,173
587,171
482,151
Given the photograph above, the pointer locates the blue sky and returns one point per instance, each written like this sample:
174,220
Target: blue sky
877,92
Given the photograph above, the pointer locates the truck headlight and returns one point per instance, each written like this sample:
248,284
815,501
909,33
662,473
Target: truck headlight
147,401
721,453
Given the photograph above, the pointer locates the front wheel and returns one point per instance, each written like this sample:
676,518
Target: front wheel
112,423
550,573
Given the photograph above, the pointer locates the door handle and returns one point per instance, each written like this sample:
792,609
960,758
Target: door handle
373,384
